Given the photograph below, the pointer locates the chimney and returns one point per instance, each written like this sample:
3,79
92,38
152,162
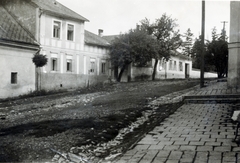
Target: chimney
137,27
100,32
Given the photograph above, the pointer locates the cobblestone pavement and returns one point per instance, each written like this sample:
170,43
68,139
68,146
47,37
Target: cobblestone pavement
216,88
195,133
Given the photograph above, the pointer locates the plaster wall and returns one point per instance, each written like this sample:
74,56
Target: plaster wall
46,33
18,61
51,81
163,70
234,46
77,51
80,74
196,74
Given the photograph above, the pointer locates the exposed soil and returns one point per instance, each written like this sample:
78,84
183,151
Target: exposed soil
31,126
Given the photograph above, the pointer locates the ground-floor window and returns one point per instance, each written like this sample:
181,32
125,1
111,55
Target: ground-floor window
92,65
175,65
69,65
14,78
170,65
180,66
54,64
104,67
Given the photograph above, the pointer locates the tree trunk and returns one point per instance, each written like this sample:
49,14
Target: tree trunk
154,69
121,72
38,79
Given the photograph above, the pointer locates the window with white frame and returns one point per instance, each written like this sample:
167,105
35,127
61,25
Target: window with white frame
69,65
70,32
56,29
170,64
180,66
92,65
161,62
54,64
175,65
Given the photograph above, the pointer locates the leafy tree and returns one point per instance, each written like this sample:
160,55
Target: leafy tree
136,46
217,53
187,43
196,53
167,38
39,60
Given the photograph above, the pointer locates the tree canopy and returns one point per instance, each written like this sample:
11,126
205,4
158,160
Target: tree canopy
135,46
187,45
39,60
167,37
217,53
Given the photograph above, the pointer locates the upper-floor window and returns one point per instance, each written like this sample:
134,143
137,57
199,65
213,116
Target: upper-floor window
56,29
70,32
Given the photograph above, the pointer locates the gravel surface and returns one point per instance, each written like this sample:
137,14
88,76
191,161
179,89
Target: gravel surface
83,122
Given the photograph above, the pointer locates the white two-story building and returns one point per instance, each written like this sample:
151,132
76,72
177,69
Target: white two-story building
76,57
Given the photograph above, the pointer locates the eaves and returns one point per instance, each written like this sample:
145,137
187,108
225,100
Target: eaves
99,45
63,16
18,44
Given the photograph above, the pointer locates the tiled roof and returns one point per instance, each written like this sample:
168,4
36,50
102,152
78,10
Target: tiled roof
54,7
110,38
91,38
11,30
180,55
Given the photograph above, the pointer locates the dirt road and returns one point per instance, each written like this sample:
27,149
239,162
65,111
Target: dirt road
80,120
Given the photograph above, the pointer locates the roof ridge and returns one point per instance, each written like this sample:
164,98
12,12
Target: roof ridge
92,38
70,13
71,10
30,35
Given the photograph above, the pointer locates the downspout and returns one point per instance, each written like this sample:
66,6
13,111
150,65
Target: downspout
37,36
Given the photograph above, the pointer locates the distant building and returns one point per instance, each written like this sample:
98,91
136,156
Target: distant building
17,47
178,66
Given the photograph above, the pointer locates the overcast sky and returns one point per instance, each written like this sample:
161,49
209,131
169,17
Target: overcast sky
115,16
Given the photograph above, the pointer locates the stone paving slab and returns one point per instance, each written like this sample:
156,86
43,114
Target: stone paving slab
195,133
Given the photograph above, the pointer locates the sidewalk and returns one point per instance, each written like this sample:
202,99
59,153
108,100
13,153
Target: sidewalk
195,133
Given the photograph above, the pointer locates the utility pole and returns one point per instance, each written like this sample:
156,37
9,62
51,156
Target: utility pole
224,22
223,30
203,48
224,39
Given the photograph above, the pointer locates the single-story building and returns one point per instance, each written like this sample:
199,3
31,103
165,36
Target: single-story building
17,47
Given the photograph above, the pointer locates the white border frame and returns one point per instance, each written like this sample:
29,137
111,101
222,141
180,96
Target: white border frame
61,28
74,31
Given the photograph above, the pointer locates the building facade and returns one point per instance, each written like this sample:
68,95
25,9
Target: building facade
76,57
17,47
177,67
